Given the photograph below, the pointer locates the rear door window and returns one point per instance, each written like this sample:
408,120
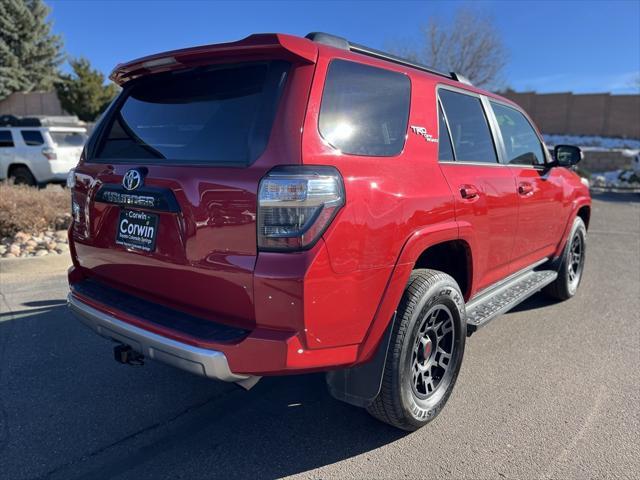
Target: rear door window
523,147
5,139
365,110
220,114
471,137
32,138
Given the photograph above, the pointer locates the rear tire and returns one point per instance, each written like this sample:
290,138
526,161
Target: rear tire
22,176
425,352
571,264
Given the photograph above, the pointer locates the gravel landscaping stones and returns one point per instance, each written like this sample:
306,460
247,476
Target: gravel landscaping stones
23,244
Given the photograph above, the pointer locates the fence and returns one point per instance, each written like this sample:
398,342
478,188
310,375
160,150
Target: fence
599,114
33,103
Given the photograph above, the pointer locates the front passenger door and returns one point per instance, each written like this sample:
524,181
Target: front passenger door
541,206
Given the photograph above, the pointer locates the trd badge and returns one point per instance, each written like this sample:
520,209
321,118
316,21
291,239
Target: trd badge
423,132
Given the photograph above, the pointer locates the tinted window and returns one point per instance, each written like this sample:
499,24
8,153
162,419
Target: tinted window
5,138
220,114
470,132
69,139
520,140
445,150
32,138
364,109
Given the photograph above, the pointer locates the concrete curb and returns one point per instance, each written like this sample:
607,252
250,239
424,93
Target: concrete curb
47,265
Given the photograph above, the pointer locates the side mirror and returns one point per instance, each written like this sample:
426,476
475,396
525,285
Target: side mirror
567,155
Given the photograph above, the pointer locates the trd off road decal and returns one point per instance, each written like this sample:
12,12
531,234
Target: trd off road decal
423,132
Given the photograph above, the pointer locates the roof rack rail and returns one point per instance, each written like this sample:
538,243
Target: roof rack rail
13,121
40,121
344,44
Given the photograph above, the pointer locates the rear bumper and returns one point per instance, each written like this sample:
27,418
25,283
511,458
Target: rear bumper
50,170
297,327
204,362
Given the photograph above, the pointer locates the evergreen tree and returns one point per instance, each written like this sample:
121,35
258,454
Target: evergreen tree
84,93
29,53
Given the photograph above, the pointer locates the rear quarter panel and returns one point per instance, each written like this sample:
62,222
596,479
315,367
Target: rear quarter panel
31,156
389,199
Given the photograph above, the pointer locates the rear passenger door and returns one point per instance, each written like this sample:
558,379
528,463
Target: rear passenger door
486,201
541,207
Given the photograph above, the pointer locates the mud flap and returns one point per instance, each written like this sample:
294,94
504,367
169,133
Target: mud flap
361,384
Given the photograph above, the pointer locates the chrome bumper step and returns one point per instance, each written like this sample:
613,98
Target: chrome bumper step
200,361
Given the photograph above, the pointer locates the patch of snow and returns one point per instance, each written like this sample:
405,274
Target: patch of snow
627,152
617,179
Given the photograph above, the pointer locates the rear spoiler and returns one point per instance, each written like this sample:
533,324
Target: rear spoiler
261,44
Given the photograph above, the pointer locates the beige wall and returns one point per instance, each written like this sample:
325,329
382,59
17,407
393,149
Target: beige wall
34,103
586,114
604,161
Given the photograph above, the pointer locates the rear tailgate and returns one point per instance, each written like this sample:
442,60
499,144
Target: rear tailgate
181,229
68,144
204,252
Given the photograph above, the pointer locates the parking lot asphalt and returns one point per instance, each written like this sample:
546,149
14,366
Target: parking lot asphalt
549,390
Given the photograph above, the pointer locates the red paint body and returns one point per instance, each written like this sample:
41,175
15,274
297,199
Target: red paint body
329,306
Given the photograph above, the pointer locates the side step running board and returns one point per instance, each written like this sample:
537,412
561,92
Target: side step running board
487,306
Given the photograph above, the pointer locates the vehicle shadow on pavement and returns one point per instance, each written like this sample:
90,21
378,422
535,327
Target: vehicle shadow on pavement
155,421
45,303
539,300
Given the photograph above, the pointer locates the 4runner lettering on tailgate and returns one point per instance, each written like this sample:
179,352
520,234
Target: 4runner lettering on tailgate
288,216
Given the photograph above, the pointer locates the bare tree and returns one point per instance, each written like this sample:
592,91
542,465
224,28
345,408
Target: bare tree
470,46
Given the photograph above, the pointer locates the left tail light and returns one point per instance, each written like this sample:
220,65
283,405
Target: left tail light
296,204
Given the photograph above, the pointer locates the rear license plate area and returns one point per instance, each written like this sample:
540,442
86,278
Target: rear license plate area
137,230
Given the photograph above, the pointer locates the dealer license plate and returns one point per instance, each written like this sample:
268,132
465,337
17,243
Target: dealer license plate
137,230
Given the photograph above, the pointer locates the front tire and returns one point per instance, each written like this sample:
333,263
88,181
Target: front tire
425,352
571,264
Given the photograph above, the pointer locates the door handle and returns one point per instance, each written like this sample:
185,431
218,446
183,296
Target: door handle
525,188
468,191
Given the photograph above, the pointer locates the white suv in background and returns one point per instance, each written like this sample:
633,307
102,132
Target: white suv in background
40,154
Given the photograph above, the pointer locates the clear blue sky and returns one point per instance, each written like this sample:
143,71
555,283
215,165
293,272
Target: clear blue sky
580,46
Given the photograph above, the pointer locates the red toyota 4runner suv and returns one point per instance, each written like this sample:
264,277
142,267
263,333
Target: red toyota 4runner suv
281,205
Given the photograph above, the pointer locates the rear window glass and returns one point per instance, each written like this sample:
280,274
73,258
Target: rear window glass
472,140
219,114
364,109
5,138
69,139
32,138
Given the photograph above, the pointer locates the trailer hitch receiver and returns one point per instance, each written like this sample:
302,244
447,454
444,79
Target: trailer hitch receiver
127,355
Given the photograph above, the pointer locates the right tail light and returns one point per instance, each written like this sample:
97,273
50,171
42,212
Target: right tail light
49,153
296,204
